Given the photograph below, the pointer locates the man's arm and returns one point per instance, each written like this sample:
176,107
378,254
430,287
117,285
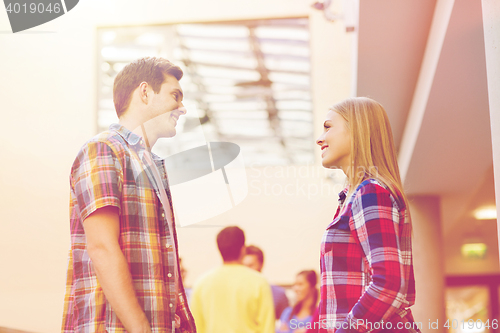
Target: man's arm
102,230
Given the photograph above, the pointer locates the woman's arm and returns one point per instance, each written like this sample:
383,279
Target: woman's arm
285,321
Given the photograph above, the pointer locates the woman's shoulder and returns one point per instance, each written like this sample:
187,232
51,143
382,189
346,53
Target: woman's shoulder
373,190
371,185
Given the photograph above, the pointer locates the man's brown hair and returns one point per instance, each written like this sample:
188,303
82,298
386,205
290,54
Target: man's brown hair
151,70
230,241
255,251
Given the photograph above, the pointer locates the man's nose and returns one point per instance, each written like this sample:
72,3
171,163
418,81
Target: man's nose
182,109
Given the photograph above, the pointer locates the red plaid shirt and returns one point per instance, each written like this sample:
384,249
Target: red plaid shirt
366,263
112,170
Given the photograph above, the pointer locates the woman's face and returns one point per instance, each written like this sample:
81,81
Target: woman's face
335,142
302,288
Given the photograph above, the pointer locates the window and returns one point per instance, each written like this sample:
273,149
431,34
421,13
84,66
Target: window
246,82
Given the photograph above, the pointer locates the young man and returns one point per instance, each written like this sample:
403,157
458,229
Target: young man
254,259
232,298
123,272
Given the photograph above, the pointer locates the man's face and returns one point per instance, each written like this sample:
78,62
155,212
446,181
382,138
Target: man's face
251,261
166,107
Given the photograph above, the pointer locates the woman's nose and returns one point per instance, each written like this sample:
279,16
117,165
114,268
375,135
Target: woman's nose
320,140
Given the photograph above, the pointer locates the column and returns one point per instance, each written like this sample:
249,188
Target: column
491,26
428,263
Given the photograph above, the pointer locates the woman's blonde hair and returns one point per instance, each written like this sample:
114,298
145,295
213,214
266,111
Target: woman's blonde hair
373,154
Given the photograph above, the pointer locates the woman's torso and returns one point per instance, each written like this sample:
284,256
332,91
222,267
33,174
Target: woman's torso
346,272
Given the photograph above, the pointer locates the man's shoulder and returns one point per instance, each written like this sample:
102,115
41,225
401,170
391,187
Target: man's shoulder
108,140
109,137
240,272
107,143
252,276
206,279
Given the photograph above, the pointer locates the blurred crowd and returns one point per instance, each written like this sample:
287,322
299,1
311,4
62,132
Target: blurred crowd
236,297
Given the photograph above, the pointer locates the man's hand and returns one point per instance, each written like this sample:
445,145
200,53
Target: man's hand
102,230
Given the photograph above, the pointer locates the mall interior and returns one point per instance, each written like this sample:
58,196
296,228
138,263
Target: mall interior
262,74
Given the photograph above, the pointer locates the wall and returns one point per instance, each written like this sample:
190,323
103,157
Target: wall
460,226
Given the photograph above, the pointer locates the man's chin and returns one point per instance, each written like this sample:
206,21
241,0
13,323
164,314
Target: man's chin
171,133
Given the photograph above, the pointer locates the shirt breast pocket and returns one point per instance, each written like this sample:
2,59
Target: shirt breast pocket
337,234
338,247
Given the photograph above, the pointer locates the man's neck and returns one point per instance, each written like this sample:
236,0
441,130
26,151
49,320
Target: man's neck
233,262
139,129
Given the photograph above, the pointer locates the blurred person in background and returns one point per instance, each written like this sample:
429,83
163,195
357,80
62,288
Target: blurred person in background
232,298
297,319
183,276
367,280
123,270
254,259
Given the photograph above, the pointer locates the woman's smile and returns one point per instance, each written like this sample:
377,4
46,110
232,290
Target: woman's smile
335,142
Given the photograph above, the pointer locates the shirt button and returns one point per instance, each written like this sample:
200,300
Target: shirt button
162,214
169,275
168,246
171,305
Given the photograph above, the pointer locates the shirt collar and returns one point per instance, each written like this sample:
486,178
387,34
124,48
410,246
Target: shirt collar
343,194
134,140
131,138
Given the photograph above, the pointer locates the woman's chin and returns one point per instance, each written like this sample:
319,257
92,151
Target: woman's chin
328,165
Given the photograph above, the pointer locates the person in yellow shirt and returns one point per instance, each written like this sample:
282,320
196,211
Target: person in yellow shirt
232,298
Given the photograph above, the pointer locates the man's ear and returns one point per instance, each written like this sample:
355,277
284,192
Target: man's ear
144,92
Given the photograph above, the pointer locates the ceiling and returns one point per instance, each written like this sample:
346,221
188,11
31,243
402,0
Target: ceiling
451,155
453,148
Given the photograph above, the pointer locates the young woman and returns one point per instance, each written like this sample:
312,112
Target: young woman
295,319
366,258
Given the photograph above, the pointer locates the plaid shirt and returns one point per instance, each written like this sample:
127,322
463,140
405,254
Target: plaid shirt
366,263
112,170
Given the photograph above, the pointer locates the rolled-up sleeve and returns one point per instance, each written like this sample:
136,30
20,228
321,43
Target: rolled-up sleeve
96,178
